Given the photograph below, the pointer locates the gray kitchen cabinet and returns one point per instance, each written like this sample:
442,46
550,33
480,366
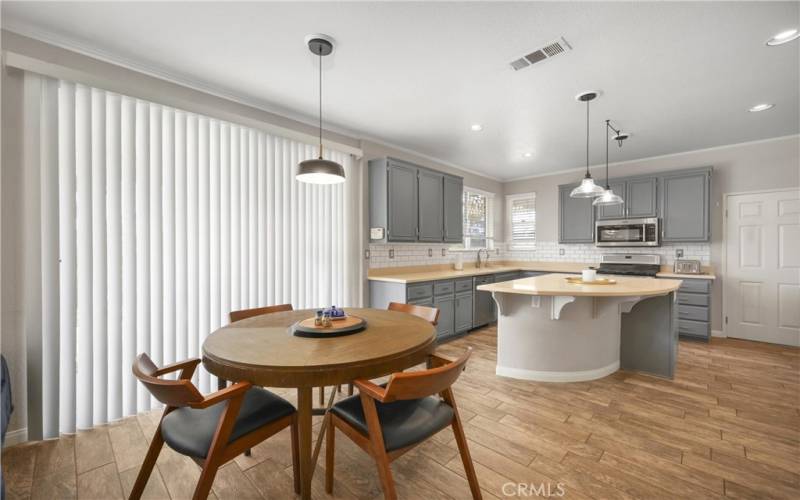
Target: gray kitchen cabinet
641,197
613,211
575,217
685,205
430,191
483,306
413,204
510,276
463,312
453,211
445,327
402,202
694,309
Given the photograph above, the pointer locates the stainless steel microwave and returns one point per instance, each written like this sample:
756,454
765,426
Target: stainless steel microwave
627,233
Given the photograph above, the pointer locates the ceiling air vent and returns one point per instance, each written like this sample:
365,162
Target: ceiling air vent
552,49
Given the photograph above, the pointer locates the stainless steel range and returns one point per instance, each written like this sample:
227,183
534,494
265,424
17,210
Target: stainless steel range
630,264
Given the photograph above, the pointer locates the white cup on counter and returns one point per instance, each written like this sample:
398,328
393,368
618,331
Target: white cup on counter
589,275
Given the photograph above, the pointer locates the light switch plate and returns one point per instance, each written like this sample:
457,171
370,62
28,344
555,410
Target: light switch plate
679,253
376,233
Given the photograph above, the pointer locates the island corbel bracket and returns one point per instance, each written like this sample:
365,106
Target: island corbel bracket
557,303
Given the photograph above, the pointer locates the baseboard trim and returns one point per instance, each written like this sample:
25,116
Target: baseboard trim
718,333
548,376
16,437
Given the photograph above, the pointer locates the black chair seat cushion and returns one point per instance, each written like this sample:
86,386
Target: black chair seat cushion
403,423
189,431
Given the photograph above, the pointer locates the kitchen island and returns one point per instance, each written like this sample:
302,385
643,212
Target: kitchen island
551,330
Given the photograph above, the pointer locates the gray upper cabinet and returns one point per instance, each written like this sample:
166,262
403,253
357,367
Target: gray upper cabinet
641,197
403,203
414,203
685,205
453,211
575,217
613,211
431,212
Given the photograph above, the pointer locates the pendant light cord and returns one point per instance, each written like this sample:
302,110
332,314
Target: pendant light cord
320,102
587,140
607,126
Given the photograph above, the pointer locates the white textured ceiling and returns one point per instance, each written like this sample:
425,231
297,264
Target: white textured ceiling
678,76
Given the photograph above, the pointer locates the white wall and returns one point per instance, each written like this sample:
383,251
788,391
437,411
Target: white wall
769,164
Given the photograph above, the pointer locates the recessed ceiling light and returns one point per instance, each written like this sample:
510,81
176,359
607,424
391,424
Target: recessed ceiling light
784,37
761,107
527,154
476,127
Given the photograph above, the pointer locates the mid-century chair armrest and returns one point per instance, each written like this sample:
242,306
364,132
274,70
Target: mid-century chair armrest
237,389
187,368
370,389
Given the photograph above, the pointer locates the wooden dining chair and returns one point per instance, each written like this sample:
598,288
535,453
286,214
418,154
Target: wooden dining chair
258,311
211,429
387,421
429,314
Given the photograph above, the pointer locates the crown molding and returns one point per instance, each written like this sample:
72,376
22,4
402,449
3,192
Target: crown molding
657,157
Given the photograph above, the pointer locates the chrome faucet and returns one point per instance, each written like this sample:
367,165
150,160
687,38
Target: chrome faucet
480,263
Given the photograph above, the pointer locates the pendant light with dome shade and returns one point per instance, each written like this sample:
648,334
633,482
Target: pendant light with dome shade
608,197
587,187
318,170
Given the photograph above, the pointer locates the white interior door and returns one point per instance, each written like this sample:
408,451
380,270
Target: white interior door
762,278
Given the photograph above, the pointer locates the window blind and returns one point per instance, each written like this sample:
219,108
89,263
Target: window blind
522,212
152,224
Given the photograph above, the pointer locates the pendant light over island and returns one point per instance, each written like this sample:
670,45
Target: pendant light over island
609,197
587,188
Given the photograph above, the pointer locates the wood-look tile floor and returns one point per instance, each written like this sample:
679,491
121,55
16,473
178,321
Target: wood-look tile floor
728,425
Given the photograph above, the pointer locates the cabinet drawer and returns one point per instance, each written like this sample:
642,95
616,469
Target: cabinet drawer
419,291
693,299
532,274
464,285
482,280
696,313
696,328
443,288
695,285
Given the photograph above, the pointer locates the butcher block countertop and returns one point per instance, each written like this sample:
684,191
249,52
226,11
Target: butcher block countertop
417,274
556,284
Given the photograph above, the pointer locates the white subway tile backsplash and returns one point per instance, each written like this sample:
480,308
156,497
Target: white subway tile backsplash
418,255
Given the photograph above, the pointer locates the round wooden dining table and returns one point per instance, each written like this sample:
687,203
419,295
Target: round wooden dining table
262,350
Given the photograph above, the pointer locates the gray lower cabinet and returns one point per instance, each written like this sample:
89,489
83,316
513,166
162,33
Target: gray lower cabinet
483,306
685,205
431,203
463,312
447,315
694,309
500,277
575,217
453,212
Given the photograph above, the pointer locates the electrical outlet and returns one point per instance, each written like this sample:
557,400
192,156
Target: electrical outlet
560,251
444,252
366,253
430,252
497,251
679,253
391,253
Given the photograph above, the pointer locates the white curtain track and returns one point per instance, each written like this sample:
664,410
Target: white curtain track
145,226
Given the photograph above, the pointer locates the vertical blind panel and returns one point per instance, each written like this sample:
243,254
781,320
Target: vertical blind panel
155,224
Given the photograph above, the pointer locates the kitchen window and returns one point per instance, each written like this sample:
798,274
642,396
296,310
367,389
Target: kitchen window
521,220
478,230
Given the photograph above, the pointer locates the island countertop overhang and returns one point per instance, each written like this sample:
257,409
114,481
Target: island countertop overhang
556,285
